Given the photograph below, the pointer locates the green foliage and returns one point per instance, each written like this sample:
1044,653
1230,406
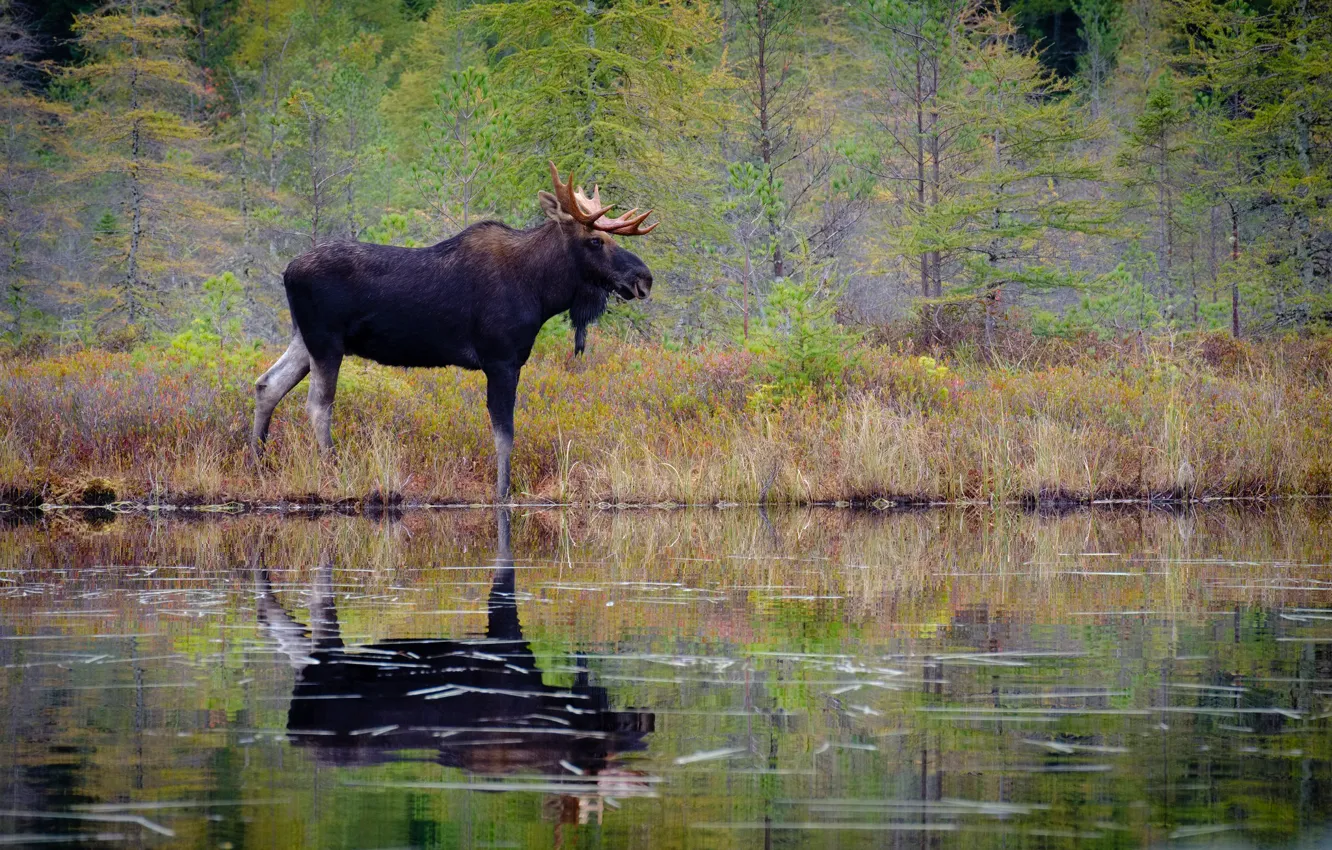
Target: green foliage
392,229
927,381
555,338
757,199
924,146
1102,30
136,83
800,345
755,203
329,122
214,336
1131,309
611,90
467,139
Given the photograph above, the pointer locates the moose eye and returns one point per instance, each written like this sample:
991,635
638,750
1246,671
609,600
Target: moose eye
594,243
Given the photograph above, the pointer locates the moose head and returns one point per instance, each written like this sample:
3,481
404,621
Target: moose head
590,231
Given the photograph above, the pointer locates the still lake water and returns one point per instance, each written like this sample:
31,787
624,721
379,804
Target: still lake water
689,679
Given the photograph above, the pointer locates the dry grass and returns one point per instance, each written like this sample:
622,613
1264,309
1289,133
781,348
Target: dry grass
642,424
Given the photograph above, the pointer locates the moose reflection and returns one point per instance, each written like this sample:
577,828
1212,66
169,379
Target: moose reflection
479,704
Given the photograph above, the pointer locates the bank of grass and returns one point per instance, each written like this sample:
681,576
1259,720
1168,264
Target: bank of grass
642,423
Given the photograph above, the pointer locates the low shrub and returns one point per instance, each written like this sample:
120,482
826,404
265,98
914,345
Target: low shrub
634,422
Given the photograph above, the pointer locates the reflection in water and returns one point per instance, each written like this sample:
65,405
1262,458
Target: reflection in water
480,704
817,679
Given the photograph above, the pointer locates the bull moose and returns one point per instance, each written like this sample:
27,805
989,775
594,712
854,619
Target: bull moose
476,300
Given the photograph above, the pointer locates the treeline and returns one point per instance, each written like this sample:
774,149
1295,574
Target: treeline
1066,166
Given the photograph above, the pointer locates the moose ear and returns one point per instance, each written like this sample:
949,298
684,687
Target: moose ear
551,207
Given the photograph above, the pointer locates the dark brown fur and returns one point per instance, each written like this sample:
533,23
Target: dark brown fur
476,300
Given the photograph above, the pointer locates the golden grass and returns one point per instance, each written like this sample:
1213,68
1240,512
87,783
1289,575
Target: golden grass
637,423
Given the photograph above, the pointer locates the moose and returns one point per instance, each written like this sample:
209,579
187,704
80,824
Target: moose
476,300
478,703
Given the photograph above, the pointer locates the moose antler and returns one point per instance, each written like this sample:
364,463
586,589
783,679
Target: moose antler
625,225
590,212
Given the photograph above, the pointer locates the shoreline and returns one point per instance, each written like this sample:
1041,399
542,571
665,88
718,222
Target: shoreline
641,424
354,507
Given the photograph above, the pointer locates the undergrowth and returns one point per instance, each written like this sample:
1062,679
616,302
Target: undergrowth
638,423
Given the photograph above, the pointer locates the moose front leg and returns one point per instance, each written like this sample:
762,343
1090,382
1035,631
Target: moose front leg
501,392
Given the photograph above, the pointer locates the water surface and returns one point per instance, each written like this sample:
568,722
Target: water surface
669,679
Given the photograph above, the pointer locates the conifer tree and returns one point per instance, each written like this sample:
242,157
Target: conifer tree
136,140
1155,156
610,88
1287,122
923,47
1101,31
460,176
1022,205
775,94
1256,152
29,128
331,124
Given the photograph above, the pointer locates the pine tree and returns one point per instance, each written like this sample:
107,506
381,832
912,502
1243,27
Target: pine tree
331,125
1155,157
1101,31
627,94
754,204
465,140
1256,153
775,94
606,88
1287,123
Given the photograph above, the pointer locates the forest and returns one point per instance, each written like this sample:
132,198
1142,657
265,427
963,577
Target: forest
1111,167
899,242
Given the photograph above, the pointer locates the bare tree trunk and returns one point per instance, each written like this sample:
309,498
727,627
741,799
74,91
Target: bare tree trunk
1234,278
749,272
762,25
1165,202
316,184
920,167
1193,280
136,188
265,82
15,296
934,167
591,78
1304,234
1213,265
992,290
353,227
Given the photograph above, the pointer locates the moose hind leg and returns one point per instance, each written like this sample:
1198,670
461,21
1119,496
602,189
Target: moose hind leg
319,404
501,392
273,385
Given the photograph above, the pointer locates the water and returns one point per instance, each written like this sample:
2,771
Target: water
669,679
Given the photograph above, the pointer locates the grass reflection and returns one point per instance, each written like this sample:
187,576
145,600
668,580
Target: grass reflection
814,678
